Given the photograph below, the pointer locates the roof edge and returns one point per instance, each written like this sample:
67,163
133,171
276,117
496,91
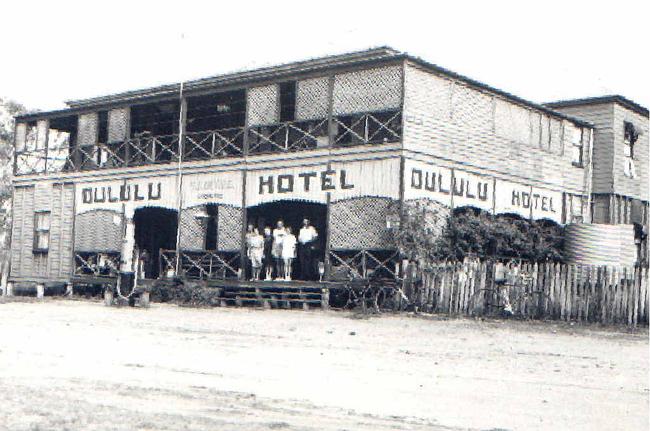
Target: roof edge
598,100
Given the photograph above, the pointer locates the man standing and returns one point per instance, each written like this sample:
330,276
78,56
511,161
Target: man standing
306,246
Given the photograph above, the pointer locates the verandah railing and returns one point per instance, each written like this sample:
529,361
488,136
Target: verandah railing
291,136
203,265
96,264
364,264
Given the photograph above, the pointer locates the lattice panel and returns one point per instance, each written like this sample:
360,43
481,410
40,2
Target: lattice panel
368,90
118,122
87,131
312,99
262,105
360,223
230,224
471,108
98,230
21,136
192,229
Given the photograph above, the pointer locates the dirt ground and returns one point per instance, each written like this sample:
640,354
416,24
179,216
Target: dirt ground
77,365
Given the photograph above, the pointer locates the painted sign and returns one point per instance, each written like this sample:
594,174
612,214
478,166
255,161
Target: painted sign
214,187
472,190
457,188
342,180
126,194
426,181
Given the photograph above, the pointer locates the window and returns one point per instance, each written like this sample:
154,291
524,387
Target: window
102,137
41,231
577,148
630,136
288,101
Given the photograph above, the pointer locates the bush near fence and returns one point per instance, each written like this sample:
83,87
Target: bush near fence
539,290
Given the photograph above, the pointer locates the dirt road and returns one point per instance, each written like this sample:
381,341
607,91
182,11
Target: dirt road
72,365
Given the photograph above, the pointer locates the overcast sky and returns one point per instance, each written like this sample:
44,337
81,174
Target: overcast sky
541,51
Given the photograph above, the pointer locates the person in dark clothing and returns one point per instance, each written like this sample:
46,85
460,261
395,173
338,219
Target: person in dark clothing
268,253
306,246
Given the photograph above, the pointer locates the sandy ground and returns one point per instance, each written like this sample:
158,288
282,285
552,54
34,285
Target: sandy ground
77,365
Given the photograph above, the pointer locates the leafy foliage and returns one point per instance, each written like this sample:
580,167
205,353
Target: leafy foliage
472,232
8,109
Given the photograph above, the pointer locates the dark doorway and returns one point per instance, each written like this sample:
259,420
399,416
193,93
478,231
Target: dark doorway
292,213
155,229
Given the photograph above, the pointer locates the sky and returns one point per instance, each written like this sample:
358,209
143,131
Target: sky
541,51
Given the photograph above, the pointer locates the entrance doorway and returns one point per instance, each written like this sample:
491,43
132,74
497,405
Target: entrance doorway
155,229
292,213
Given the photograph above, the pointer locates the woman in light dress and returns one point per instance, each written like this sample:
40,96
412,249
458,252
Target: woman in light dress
256,253
288,252
276,250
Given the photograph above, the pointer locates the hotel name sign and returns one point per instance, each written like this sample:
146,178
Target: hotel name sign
457,188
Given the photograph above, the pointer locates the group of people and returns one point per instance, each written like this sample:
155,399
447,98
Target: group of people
275,251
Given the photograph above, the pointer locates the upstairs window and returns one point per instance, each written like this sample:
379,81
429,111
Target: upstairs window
288,101
630,136
41,231
577,148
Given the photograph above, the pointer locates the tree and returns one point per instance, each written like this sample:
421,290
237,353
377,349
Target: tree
429,233
8,109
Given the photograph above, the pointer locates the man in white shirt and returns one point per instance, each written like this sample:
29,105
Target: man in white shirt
306,245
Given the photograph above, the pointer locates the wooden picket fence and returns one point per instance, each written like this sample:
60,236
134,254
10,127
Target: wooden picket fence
539,291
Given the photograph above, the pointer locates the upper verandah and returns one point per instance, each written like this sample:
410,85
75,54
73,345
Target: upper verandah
349,99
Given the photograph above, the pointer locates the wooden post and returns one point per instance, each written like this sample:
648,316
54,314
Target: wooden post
108,296
145,300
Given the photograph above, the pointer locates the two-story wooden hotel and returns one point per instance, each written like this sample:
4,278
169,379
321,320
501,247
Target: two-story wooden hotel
343,140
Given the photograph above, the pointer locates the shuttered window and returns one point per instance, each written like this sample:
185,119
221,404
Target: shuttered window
630,137
41,231
577,147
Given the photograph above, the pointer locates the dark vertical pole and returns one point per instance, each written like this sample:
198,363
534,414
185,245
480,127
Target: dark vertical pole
127,137
46,144
242,257
182,121
330,136
245,151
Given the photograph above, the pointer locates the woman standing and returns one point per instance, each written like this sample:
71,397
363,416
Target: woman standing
288,252
276,251
255,253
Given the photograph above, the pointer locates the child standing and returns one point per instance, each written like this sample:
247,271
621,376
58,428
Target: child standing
288,252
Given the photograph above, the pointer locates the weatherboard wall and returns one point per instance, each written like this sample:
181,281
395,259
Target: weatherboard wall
56,264
461,127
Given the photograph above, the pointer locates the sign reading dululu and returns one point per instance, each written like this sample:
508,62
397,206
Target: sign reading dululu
124,193
458,188
128,194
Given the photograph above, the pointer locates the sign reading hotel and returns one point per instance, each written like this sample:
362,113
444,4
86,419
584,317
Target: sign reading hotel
458,188
342,180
